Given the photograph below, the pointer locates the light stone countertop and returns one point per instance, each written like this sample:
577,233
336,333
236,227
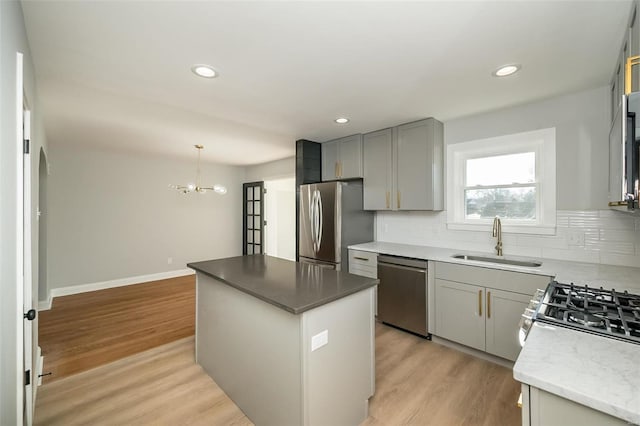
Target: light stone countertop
595,371
599,372
620,278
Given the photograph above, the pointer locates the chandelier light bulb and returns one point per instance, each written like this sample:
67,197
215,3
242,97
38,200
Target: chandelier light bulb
195,187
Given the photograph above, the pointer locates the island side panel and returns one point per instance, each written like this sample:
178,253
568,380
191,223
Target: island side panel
339,377
251,349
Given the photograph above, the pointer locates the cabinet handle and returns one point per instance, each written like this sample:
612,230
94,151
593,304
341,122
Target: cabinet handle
398,199
479,302
388,201
488,304
335,170
361,258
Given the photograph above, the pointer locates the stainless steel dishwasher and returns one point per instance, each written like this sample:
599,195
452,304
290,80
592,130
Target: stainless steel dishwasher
402,293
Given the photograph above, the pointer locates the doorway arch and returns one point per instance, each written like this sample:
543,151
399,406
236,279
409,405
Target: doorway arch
43,174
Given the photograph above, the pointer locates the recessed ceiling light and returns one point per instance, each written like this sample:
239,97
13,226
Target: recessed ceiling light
206,71
506,70
341,120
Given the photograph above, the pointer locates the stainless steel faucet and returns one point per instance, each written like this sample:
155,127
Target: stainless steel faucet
497,233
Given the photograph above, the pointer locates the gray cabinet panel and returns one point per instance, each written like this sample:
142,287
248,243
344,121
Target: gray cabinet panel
330,160
419,166
503,313
547,409
350,157
492,317
459,315
492,278
377,169
342,158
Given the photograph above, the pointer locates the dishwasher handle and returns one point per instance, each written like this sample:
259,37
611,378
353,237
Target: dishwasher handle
406,268
402,261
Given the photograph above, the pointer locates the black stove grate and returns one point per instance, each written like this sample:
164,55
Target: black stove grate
595,310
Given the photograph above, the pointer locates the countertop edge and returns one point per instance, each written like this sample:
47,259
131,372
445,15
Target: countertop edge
296,311
620,278
533,369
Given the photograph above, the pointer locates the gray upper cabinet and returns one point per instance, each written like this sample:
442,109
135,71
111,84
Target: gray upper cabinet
403,167
377,168
419,168
342,158
630,47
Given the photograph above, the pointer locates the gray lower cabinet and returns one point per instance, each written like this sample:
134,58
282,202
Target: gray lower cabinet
504,310
459,313
481,307
541,408
342,158
365,263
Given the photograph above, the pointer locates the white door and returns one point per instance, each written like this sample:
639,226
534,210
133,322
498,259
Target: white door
24,299
27,275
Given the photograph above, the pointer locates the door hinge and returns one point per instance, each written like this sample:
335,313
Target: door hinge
25,146
265,223
27,377
265,190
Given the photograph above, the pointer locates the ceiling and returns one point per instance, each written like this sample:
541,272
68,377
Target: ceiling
117,73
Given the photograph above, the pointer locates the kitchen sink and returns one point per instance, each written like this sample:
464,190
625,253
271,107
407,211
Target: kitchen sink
525,263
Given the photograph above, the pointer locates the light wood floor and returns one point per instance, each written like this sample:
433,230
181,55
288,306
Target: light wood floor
83,331
162,386
417,383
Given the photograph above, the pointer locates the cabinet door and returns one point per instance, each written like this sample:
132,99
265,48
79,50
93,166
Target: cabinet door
503,312
330,160
459,313
377,159
350,157
547,409
634,46
616,159
419,184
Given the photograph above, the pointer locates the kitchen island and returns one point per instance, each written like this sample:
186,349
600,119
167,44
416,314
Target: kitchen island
289,343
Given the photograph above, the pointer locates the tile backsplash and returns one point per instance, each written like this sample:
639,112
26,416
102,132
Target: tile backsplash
594,236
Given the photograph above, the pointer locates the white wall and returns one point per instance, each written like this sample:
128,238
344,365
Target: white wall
14,39
582,141
586,230
278,169
280,214
280,205
112,216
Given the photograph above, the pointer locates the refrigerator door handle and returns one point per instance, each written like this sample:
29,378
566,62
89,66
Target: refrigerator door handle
319,213
315,215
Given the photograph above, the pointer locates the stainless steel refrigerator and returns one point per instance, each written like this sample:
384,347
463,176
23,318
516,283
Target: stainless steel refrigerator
331,219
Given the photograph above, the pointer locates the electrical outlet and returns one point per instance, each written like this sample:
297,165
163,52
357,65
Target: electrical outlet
319,340
575,238
169,260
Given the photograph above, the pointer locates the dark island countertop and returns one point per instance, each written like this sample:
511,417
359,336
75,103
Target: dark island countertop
292,286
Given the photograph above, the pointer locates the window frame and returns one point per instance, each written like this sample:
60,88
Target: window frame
542,143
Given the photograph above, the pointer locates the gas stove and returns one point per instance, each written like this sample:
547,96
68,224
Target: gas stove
594,310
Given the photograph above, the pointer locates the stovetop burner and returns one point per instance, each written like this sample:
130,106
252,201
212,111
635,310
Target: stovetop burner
585,319
599,311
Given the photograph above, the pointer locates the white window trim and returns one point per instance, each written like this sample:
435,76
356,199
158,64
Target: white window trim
543,142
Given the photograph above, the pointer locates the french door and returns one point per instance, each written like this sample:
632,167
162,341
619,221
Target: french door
253,218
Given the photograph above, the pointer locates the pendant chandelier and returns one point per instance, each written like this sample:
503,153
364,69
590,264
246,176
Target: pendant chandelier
196,187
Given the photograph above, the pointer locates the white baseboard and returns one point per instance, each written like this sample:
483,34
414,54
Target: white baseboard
83,288
45,305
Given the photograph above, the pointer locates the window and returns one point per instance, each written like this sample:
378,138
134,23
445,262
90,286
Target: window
511,176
